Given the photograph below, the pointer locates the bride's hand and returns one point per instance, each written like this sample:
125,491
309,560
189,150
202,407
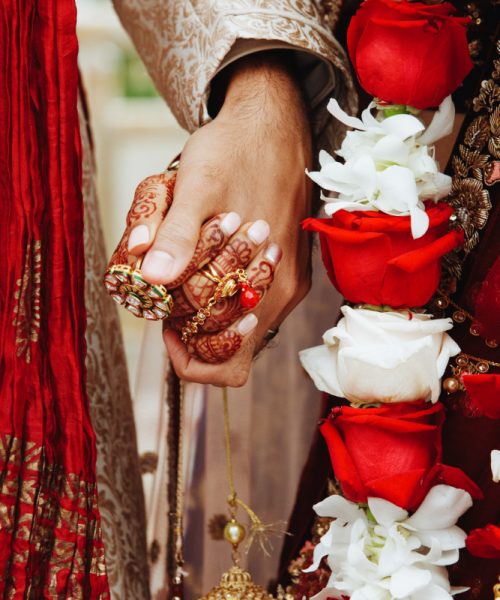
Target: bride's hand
249,160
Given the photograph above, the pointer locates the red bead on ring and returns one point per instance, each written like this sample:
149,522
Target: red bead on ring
249,296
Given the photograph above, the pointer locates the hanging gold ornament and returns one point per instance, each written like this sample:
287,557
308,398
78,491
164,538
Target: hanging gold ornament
237,584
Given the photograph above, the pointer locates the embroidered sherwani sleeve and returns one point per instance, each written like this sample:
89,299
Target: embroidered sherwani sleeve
185,43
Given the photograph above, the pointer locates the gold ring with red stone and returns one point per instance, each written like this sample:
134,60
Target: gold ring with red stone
227,286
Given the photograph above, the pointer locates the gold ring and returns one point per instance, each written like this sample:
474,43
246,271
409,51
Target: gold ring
210,275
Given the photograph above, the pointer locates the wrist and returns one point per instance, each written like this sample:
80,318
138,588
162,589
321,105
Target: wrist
263,84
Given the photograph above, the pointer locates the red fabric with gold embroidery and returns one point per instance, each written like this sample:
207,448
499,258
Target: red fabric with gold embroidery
50,541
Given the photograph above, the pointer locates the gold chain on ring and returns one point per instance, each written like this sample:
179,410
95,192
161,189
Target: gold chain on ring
226,286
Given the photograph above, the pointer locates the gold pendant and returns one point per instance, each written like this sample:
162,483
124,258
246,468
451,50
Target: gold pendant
237,584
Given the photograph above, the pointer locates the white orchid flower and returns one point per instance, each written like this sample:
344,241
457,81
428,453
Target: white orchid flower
389,165
495,465
379,552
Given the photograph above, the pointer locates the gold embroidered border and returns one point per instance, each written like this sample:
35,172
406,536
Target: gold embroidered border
27,310
50,520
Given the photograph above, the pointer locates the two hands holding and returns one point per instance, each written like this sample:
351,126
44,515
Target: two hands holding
240,196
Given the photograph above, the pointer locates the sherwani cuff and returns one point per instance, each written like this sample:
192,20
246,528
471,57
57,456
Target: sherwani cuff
317,75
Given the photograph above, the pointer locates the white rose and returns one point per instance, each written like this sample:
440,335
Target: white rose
375,356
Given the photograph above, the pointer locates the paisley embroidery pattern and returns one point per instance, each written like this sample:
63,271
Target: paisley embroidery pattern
476,167
184,43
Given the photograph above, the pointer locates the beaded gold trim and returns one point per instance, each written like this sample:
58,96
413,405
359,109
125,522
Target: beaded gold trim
466,364
460,315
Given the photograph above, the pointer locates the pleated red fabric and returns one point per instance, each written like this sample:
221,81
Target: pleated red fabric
50,538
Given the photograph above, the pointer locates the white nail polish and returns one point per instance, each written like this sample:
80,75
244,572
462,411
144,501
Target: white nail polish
230,223
247,324
139,235
273,253
259,231
158,264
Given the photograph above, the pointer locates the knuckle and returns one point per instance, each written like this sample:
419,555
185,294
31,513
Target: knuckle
289,288
295,286
199,179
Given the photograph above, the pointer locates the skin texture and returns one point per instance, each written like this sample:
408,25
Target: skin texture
250,159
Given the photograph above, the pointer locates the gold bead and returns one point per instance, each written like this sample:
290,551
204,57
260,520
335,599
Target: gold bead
442,303
475,329
461,360
483,367
451,385
459,316
496,591
234,532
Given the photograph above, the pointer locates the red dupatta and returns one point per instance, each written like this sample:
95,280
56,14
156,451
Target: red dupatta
50,539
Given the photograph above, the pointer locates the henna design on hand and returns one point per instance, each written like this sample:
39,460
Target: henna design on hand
121,254
176,323
182,304
196,293
216,348
235,255
152,192
261,275
198,289
224,314
209,245
192,295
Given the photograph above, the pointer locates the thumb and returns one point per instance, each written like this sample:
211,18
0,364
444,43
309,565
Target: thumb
174,244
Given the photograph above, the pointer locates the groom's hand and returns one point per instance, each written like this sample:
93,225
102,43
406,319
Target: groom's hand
249,160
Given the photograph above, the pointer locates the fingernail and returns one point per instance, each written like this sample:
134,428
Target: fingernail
158,264
273,253
230,223
139,235
259,231
247,324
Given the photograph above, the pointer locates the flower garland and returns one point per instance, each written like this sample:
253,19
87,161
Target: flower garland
393,531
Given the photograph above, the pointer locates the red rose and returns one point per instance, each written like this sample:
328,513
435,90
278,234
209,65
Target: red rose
391,452
372,258
484,393
409,52
484,542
